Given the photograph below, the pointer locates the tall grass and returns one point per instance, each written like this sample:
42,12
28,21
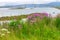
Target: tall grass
57,22
45,29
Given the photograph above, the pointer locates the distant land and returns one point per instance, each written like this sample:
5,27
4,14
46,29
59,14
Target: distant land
52,4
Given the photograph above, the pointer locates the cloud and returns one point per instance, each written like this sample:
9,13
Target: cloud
28,1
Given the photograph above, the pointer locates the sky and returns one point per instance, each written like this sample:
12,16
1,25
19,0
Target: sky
2,2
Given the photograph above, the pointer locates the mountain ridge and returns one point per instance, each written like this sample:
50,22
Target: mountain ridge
52,4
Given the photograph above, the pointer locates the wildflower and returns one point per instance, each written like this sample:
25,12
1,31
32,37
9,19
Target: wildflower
3,29
36,14
29,17
8,32
3,32
45,13
41,17
23,20
2,35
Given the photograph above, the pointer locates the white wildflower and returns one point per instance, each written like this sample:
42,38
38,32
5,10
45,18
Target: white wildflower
2,35
3,29
8,32
3,32
24,20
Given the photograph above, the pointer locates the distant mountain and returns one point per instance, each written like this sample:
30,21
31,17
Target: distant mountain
54,4
10,5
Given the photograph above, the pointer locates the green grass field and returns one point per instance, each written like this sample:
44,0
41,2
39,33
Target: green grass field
42,29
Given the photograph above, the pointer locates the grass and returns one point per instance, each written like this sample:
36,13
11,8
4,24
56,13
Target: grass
45,29
13,17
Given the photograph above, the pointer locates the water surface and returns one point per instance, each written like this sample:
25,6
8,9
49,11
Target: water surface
15,12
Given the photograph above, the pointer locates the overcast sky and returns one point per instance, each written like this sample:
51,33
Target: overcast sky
27,1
